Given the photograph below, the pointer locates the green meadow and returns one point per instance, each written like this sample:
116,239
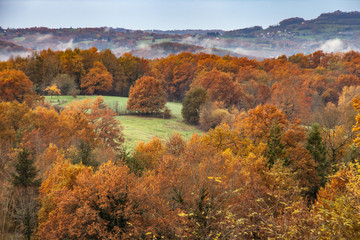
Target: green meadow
139,128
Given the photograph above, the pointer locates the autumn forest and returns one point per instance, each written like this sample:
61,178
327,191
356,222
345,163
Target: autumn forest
277,157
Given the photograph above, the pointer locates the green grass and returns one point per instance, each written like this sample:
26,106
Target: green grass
148,41
145,128
143,42
140,128
19,39
163,40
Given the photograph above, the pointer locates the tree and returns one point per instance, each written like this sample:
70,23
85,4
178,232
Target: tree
131,68
101,119
15,85
66,83
147,155
147,96
106,204
71,63
192,103
337,211
212,115
221,87
25,172
53,90
25,183
14,117
97,80
317,149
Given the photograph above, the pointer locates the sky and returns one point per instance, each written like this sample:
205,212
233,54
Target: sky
163,14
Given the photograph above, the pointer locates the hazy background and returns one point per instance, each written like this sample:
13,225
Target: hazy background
163,14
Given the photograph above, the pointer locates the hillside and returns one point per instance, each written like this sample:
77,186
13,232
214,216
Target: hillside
327,25
166,48
289,37
8,49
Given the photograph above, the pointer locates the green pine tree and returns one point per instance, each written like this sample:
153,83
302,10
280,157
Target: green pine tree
26,183
317,149
25,174
274,147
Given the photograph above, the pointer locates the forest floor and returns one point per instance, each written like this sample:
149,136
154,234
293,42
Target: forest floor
139,128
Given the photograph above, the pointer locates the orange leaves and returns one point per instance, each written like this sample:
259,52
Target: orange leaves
15,85
147,96
14,116
100,118
149,154
356,128
220,87
85,121
97,80
110,203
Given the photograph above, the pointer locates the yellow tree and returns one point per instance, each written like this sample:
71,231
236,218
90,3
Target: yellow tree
337,211
357,125
53,90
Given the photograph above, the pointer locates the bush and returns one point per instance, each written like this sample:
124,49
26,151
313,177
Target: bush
66,84
166,113
211,116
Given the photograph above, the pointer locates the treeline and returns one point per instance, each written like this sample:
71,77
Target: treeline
301,85
258,173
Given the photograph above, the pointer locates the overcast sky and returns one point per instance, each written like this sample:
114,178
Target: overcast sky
163,14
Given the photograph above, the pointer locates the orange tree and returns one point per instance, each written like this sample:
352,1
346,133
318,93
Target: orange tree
15,85
221,88
98,79
147,96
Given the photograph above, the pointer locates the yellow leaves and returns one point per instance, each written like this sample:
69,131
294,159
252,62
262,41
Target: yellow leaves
337,209
295,211
237,190
356,128
183,214
216,179
149,154
53,90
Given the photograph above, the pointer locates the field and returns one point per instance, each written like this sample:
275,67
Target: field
139,128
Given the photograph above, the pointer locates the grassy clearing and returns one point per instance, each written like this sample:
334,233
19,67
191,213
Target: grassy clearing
163,40
19,39
140,128
145,128
143,43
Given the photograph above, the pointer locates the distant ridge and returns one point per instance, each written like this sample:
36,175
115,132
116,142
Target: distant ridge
289,36
340,21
